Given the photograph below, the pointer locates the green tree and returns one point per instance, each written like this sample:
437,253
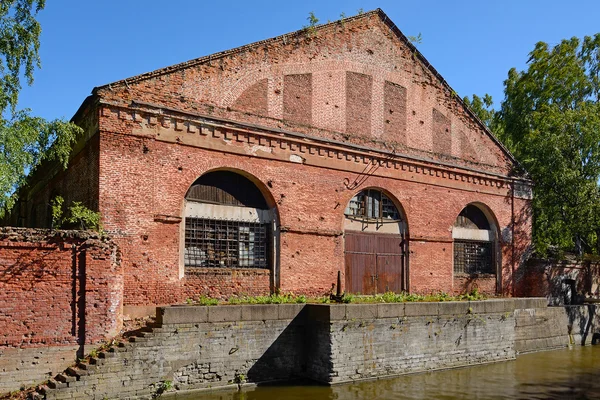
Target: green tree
25,140
483,108
550,120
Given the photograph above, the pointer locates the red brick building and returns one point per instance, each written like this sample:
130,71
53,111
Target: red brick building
275,165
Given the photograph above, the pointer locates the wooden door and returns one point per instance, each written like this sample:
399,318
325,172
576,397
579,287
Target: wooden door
374,262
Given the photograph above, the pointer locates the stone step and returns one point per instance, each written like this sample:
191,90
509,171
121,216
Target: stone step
64,378
86,367
52,384
107,354
44,389
138,339
36,396
95,361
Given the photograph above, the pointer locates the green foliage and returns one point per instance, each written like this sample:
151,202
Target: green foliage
207,301
84,217
276,298
482,107
162,387
78,216
403,297
550,121
415,39
25,140
313,21
57,211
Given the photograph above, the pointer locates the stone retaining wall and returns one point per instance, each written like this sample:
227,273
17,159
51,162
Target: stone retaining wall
199,347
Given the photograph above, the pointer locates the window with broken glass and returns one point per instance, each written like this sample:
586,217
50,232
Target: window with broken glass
372,205
221,243
473,257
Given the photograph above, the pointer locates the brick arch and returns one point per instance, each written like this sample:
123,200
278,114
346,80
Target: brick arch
349,194
249,79
487,211
272,231
268,196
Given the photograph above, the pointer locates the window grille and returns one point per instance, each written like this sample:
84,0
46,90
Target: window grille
228,244
473,257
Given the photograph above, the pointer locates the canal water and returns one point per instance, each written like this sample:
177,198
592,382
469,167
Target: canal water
561,374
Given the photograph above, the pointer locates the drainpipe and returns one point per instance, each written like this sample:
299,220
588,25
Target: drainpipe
512,234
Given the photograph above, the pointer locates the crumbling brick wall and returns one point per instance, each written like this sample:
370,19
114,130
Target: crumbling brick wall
59,291
58,287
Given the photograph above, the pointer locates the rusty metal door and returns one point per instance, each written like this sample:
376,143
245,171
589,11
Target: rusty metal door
374,262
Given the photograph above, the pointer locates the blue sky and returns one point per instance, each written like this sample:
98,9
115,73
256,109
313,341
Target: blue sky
472,44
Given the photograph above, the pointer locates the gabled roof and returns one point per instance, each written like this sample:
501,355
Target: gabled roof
379,12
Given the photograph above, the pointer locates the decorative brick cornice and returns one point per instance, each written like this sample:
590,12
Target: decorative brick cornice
186,125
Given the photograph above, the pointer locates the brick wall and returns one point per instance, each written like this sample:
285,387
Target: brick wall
59,291
312,120
547,278
310,199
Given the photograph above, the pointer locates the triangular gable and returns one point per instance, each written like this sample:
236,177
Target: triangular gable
358,80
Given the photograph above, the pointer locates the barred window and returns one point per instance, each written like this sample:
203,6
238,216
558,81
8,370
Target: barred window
226,243
473,257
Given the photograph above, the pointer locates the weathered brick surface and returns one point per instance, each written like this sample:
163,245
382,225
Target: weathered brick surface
548,278
311,119
59,291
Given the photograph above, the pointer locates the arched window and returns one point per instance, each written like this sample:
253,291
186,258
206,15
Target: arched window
474,242
371,205
227,223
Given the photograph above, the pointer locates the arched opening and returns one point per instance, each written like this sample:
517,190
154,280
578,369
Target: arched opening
475,243
375,244
228,224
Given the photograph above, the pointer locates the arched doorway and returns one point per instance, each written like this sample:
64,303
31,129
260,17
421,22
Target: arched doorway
228,224
476,252
375,244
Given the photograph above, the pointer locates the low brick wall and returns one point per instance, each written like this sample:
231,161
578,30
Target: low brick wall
199,347
59,291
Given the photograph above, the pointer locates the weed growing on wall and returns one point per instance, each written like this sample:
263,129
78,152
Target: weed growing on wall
290,298
77,216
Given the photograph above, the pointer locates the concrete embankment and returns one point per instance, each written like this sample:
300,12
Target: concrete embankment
197,347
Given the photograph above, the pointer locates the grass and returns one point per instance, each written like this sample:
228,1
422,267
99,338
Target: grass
290,298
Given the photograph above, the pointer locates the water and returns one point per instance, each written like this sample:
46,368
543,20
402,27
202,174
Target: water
560,374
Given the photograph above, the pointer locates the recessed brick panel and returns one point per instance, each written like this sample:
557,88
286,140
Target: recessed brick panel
254,99
394,112
467,151
442,135
359,89
297,98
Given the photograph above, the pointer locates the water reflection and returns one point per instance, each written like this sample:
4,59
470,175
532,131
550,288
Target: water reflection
561,374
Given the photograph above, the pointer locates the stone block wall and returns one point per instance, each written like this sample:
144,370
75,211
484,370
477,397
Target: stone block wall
199,347
376,340
59,291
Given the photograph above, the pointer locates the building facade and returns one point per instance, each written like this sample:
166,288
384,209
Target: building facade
275,165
